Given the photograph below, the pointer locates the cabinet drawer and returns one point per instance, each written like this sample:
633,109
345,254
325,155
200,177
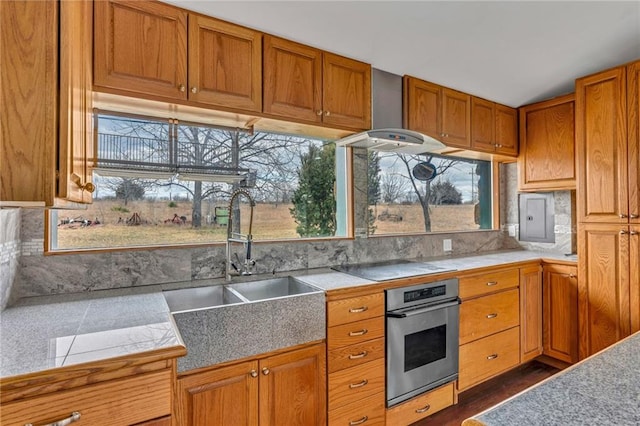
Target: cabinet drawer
369,411
355,309
488,315
421,406
353,384
488,357
354,333
117,402
353,355
488,282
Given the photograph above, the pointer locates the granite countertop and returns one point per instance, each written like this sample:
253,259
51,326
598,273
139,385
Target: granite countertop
600,390
43,333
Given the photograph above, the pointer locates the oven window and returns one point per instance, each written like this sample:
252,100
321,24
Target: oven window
425,347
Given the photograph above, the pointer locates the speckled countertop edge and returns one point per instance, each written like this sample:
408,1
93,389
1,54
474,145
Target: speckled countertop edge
48,332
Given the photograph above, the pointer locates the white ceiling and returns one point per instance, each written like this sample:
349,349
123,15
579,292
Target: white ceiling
512,52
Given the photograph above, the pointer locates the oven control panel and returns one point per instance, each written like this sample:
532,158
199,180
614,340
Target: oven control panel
424,293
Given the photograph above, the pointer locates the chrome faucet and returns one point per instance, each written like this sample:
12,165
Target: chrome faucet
245,267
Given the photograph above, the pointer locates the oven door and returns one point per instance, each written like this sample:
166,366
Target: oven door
422,350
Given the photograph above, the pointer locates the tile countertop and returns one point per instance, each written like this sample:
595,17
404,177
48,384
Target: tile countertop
600,390
42,333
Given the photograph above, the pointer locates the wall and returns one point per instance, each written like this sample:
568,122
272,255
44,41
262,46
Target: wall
564,216
69,273
10,246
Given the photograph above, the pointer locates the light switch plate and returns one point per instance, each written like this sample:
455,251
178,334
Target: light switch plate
446,245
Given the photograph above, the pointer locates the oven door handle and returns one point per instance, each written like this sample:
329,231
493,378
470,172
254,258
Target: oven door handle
418,311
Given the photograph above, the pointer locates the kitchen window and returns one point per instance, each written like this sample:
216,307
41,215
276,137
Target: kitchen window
165,182
413,194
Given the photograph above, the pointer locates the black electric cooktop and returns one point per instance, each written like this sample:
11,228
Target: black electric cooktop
390,270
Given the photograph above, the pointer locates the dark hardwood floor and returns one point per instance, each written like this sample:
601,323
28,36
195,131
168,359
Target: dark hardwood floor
487,394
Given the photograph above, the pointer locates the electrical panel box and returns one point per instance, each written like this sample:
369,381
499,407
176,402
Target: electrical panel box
537,217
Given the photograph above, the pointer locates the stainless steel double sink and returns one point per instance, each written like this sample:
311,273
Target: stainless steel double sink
221,295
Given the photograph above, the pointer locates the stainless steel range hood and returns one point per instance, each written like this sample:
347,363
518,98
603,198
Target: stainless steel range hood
387,133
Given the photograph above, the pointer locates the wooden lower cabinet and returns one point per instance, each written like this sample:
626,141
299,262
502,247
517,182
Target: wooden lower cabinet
488,357
284,389
367,411
530,312
488,315
421,406
126,401
560,312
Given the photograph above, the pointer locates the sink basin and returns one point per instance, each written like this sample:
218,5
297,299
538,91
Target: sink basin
270,289
200,297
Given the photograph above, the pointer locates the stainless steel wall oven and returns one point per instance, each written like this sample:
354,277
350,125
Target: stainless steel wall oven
422,324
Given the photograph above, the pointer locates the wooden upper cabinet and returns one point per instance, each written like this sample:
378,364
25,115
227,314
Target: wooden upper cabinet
547,145
422,106
456,118
141,47
225,64
292,80
506,130
601,138
633,138
483,124
304,83
560,312
346,92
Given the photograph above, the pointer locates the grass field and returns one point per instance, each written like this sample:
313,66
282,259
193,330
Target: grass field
271,221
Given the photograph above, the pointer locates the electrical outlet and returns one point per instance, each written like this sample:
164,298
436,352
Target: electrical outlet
446,245
512,230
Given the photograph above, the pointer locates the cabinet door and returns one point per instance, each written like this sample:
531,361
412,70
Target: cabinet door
75,144
293,388
225,64
634,277
633,114
292,80
603,286
422,107
482,124
141,47
456,118
530,312
601,137
547,145
560,312
506,130
225,396
28,94
346,92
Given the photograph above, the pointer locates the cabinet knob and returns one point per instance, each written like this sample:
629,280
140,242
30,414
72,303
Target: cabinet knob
623,232
623,216
633,233
327,113
319,112
182,88
266,371
87,186
194,89
498,145
253,373
572,275
633,216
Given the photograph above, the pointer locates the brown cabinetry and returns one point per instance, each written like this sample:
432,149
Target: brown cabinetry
560,312
494,127
530,312
304,83
421,406
45,121
356,362
456,118
547,145
285,388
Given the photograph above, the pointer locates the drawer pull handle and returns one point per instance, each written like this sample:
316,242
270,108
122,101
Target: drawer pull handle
75,416
491,283
424,409
493,356
358,385
358,310
358,422
358,356
491,316
358,333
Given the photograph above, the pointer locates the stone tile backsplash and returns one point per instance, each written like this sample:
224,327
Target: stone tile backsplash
10,247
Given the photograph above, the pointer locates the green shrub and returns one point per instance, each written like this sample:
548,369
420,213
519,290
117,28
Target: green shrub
120,209
173,204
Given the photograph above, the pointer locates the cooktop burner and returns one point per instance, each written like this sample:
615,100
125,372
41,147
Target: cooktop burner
390,270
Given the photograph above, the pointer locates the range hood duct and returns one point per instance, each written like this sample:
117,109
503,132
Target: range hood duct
387,134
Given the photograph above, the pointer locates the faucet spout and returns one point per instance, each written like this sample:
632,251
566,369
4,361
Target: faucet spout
245,268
